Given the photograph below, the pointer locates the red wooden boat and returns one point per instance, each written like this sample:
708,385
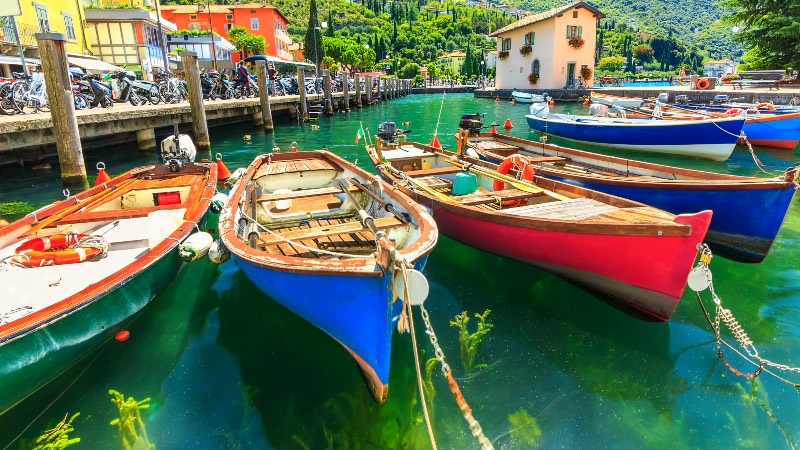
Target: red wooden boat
632,252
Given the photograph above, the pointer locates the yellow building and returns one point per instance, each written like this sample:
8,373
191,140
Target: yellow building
39,16
453,61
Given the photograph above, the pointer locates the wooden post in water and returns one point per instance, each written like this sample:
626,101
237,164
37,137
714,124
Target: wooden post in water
345,91
301,87
199,124
53,55
386,89
326,88
357,82
263,94
368,88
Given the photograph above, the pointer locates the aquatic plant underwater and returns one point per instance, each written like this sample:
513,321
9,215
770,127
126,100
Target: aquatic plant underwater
469,341
56,438
132,433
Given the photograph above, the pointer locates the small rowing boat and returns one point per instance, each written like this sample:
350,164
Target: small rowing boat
527,97
330,242
632,252
75,272
709,138
615,100
748,211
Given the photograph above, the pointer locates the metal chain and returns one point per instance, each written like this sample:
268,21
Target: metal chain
466,411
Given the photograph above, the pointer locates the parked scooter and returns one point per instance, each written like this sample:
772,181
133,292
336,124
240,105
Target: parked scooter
121,87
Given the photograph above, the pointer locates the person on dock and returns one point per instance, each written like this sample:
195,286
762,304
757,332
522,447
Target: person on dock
272,75
242,75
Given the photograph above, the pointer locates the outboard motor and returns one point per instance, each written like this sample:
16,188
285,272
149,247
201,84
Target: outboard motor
387,131
471,122
682,99
540,109
721,99
176,149
663,98
598,110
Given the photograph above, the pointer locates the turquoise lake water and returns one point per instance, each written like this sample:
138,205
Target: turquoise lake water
227,367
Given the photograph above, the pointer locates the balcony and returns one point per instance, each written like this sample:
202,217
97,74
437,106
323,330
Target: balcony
26,32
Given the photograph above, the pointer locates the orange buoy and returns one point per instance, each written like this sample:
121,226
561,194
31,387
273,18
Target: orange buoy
435,142
102,176
122,336
494,130
552,102
585,103
222,172
294,147
497,99
508,125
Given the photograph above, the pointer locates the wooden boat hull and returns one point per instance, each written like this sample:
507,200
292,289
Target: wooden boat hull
360,312
31,361
615,265
706,139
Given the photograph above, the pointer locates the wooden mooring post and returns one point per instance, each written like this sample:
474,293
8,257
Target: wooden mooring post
357,82
345,91
53,55
326,89
301,88
263,94
199,125
368,88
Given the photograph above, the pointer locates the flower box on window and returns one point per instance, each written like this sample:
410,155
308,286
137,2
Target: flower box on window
576,42
526,49
502,54
533,78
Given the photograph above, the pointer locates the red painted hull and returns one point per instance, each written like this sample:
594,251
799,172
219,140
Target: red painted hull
781,144
646,272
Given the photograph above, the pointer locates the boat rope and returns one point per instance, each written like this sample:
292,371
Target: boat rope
404,265
297,244
702,275
466,411
439,119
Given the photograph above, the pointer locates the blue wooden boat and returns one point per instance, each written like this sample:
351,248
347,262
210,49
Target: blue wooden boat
748,211
318,235
713,138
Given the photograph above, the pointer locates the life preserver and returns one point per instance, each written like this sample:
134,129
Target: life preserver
734,111
54,250
702,84
769,106
521,163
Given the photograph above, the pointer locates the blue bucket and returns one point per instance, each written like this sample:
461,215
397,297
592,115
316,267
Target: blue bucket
465,183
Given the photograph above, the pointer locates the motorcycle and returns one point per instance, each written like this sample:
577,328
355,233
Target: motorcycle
121,87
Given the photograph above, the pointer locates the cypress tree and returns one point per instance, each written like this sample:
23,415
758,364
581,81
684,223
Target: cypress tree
313,47
329,30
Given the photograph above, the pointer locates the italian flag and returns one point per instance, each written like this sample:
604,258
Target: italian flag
359,136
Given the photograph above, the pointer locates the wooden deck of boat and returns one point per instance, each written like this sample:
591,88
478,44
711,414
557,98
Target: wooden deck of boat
344,235
299,165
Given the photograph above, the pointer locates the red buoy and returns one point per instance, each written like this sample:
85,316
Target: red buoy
222,172
497,99
294,147
122,336
493,130
552,102
435,142
102,176
508,125
586,103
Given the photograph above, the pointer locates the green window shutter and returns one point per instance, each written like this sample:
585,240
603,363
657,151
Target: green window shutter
580,31
533,37
568,30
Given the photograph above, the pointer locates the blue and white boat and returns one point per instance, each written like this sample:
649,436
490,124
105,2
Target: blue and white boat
712,138
527,97
328,241
748,211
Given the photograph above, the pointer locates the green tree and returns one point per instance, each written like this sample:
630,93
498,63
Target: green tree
409,70
610,64
313,47
643,52
329,30
769,30
246,43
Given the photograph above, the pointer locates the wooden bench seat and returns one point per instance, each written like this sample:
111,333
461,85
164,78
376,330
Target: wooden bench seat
382,223
114,214
304,193
433,171
483,198
546,159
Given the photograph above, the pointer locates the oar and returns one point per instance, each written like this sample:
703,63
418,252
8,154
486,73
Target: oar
387,206
367,220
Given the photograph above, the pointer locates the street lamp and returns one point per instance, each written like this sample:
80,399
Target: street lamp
322,24
483,74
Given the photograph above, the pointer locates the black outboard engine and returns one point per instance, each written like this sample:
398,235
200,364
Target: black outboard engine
471,122
387,131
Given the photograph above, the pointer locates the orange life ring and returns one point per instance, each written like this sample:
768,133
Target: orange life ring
521,163
702,84
769,106
53,250
734,111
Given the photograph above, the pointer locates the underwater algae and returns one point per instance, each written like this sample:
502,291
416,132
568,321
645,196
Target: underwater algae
132,433
56,438
469,341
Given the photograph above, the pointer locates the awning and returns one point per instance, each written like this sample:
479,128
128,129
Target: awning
4,59
275,59
92,64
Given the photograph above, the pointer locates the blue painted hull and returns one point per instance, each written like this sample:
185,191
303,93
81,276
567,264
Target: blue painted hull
358,311
703,139
780,132
744,240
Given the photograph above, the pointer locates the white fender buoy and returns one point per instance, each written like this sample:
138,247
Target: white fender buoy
218,253
699,279
418,287
195,246
218,202
235,176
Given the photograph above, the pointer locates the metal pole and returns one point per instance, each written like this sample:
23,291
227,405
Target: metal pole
161,38
211,29
19,45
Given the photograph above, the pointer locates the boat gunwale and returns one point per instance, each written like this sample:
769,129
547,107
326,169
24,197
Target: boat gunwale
297,264
707,180
564,119
88,295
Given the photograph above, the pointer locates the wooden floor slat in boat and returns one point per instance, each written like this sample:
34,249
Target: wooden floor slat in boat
574,209
493,145
355,242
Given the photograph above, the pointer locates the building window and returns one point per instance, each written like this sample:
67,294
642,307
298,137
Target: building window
529,37
228,16
192,16
194,27
252,11
574,14
574,31
41,18
69,26
506,44
253,23
228,27
535,68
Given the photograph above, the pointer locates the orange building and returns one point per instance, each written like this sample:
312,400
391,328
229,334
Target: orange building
257,18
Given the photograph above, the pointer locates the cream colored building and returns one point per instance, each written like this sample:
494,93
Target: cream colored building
553,58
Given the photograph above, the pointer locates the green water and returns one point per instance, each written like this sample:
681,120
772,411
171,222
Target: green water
226,367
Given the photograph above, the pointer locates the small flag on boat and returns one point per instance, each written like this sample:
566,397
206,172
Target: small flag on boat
358,136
